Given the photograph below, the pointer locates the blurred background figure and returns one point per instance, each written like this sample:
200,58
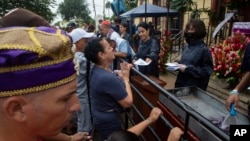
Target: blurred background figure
91,28
71,26
124,34
85,26
117,22
107,31
122,50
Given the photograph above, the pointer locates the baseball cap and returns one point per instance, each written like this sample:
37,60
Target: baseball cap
79,33
71,24
107,23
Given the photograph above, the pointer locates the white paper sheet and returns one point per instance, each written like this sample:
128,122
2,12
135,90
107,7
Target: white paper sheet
172,66
141,62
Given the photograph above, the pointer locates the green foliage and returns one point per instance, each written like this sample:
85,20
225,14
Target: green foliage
57,23
108,5
188,5
215,16
79,21
182,5
130,4
196,12
40,7
74,9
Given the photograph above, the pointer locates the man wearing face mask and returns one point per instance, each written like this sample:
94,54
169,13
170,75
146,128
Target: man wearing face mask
196,64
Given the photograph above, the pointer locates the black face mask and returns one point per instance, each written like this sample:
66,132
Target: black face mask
190,37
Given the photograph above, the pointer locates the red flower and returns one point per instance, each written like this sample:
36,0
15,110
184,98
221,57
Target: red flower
227,57
164,50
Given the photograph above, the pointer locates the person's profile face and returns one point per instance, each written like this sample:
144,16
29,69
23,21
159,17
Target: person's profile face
54,110
108,50
81,44
122,29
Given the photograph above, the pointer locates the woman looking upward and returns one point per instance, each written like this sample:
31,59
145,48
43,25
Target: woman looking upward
148,50
110,92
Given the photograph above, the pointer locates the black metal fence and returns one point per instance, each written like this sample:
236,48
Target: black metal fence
189,112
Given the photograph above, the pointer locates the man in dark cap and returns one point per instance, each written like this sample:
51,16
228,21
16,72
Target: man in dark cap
71,26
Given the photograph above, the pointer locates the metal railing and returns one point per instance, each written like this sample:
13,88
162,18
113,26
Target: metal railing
189,113
177,42
220,36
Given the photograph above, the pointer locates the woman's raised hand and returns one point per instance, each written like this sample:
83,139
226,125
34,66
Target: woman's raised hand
125,70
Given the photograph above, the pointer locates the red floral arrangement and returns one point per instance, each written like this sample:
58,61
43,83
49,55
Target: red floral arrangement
165,42
227,57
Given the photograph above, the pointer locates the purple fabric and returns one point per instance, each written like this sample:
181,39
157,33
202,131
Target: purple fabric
16,57
51,30
22,57
242,30
36,77
46,29
28,78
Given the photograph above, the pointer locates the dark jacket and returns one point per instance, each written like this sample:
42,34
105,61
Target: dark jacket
199,62
128,38
245,66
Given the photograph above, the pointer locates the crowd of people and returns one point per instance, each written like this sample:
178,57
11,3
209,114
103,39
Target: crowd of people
60,81
49,75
